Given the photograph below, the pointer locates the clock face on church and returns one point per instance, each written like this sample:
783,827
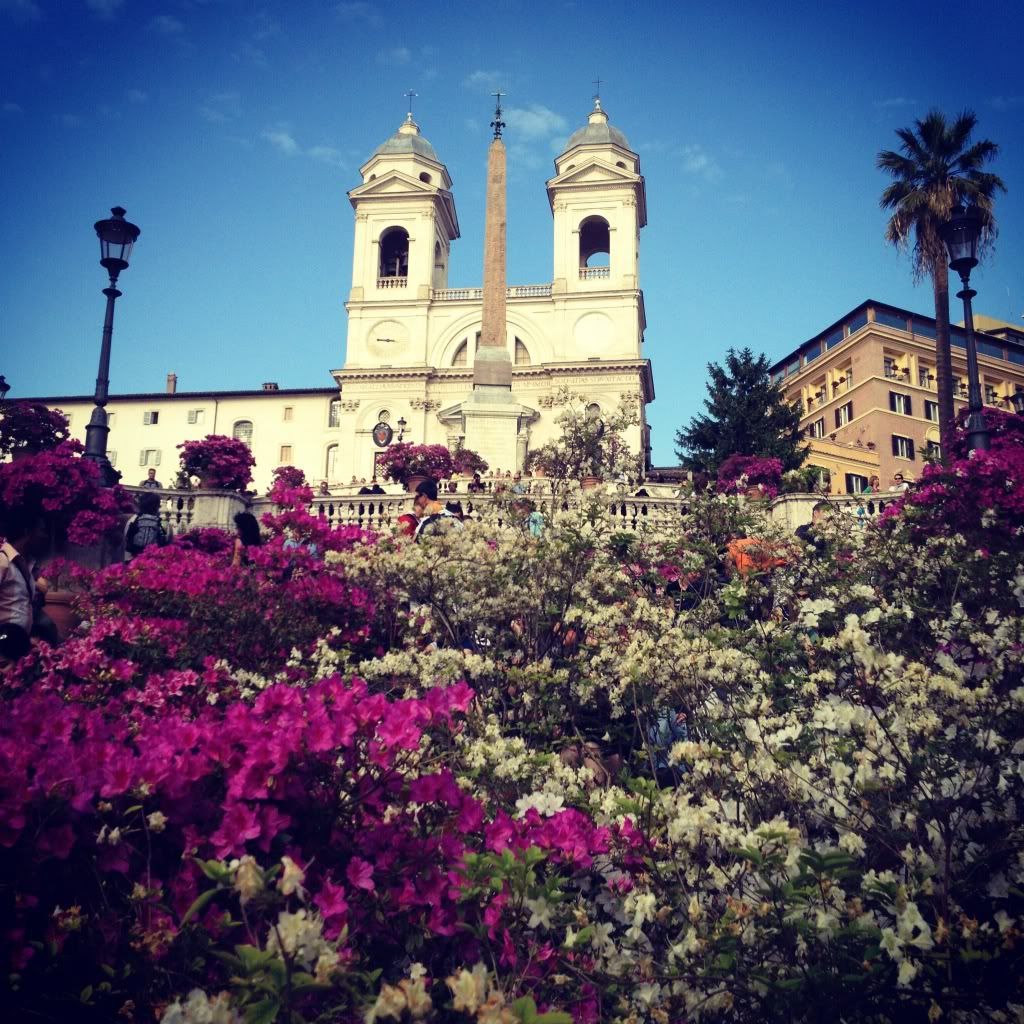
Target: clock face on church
382,434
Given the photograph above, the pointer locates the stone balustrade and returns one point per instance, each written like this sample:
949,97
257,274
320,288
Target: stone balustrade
594,273
392,282
516,291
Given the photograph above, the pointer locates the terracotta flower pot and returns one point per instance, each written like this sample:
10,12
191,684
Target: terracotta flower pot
588,483
413,480
58,607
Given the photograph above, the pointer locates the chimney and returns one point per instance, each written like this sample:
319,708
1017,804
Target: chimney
172,383
270,385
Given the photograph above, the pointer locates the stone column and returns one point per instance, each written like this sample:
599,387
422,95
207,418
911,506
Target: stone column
492,367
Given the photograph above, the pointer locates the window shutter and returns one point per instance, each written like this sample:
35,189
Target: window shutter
895,445
142,458
892,401
909,405
191,415
838,424
911,446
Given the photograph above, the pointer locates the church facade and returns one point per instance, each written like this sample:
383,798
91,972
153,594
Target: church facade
412,340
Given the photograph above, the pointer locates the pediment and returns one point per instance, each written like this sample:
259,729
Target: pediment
595,172
393,183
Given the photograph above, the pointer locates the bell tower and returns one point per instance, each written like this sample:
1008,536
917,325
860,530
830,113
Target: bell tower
405,220
599,205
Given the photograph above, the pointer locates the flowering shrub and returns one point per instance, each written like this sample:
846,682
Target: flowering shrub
465,460
31,427
739,472
68,489
583,776
402,460
223,463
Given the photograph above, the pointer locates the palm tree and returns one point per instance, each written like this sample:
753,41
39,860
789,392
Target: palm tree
937,169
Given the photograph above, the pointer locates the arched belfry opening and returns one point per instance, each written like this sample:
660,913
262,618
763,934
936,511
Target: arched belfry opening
394,253
595,243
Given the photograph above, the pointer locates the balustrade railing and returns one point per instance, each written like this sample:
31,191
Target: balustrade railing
516,291
392,282
593,273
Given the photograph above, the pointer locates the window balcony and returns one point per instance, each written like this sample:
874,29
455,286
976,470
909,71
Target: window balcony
593,273
392,282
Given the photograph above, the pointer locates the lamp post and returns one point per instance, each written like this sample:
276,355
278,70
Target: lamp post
1017,398
4,387
961,233
401,428
117,236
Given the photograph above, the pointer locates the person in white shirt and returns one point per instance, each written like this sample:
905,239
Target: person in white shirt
25,540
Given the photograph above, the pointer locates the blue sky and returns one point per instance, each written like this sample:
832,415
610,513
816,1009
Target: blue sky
231,131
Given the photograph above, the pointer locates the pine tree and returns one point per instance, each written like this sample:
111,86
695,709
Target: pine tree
747,414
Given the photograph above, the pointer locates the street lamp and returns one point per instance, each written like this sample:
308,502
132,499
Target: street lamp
961,233
401,428
1017,398
4,387
117,236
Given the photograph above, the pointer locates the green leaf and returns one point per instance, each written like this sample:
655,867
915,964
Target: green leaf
198,904
263,1012
85,996
525,1009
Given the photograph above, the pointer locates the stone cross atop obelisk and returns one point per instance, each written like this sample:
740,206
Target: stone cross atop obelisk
492,367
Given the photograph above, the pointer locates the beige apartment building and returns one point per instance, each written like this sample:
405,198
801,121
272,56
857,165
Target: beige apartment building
866,385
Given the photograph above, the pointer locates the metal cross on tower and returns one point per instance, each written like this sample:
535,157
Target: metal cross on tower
597,88
497,124
409,94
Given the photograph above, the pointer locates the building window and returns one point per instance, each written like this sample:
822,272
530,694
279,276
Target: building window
110,419
289,413
933,450
149,457
812,353
242,431
334,413
522,354
331,462
285,457
903,447
990,394
112,456
197,415
893,370
890,319
959,388
394,253
925,377
900,403
384,416
817,428
855,483
834,337
844,414
859,321
931,411
595,243
150,417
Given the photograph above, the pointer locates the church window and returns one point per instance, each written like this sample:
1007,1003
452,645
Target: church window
619,163
595,243
593,411
461,357
242,431
289,413
394,253
331,461
384,416
424,177
286,454
522,354
334,413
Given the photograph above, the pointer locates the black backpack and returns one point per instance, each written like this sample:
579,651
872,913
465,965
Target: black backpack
146,529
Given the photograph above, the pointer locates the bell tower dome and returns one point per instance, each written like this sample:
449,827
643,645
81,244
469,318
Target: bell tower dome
405,220
599,205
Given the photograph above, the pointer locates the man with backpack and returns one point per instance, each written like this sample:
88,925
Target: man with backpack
145,528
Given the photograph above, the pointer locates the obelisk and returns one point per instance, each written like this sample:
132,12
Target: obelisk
492,367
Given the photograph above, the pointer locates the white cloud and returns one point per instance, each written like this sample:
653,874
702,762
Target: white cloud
137,96
894,102
166,25
366,13
396,55
221,107
696,160
21,10
10,108
283,141
105,9
485,81
326,155
534,122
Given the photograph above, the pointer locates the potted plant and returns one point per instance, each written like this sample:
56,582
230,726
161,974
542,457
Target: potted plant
467,462
411,464
221,463
30,427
